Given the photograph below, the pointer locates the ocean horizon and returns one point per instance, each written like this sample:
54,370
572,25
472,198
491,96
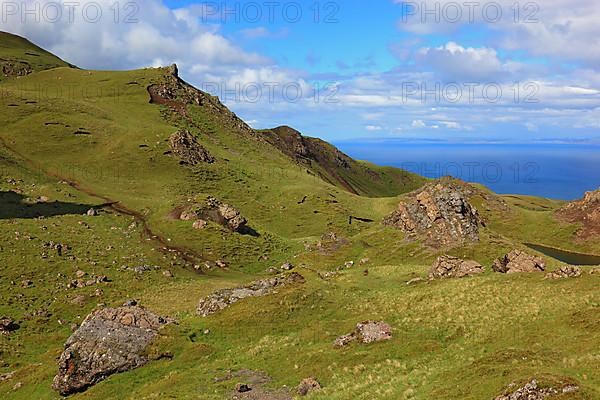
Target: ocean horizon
552,170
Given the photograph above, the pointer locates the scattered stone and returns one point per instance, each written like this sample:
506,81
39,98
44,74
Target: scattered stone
287,266
43,199
130,303
185,146
595,271
7,376
307,386
7,325
441,212
26,283
199,224
531,391
78,300
221,264
518,261
108,341
364,261
167,274
349,264
92,212
454,267
80,274
226,297
565,272
366,332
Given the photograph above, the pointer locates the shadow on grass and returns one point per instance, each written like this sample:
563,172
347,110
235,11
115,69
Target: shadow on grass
13,205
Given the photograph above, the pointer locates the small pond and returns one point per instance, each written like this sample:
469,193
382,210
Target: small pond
567,257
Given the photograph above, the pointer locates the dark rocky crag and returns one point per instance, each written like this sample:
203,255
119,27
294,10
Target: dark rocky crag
440,213
109,341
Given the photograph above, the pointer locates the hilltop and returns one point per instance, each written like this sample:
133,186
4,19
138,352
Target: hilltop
226,262
20,57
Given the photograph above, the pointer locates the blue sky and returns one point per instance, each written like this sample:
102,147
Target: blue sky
380,73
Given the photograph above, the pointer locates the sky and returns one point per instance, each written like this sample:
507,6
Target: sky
434,70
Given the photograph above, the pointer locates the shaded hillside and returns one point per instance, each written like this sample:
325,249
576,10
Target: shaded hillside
335,167
20,57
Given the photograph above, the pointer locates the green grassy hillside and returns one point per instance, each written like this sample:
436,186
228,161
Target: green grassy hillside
19,54
96,140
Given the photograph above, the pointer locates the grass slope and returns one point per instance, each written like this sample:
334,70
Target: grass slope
17,49
455,339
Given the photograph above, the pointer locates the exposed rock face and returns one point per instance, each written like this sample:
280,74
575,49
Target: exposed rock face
565,272
177,95
213,210
518,261
307,386
109,341
366,332
440,212
586,212
226,297
531,391
454,267
185,146
15,68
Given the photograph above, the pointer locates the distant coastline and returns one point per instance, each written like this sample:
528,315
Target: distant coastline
563,171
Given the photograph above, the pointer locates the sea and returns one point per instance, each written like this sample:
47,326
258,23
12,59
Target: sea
556,171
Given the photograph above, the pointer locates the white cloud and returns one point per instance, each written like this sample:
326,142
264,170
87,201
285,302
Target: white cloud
373,128
418,123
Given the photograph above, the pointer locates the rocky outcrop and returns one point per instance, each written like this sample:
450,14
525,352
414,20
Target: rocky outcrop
518,261
213,210
454,267
565,272
532,391
109,341
15,68
440,212
185,146
585,212
224,298
177,94
366,332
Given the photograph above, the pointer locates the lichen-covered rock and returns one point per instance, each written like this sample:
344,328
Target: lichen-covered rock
440,212
518,261
185,146
366,332
454,267
532,391
222,299
567,271
109,341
